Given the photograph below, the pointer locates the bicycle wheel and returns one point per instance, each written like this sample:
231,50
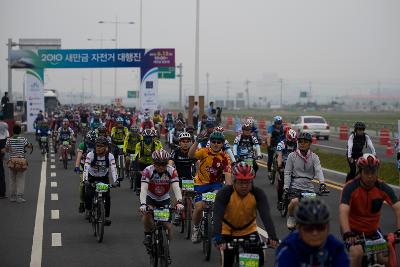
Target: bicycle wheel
65,159
100,218
284,209
92,218
188,217
207,237
164,251
132,179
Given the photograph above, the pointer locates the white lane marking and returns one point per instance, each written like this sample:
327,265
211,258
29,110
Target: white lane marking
53,174
56,240
55,214
331,147
52,160
53,184
54,196
52,155
52,166
37,243
335,172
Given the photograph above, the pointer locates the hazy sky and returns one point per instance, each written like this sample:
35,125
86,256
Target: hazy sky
339,45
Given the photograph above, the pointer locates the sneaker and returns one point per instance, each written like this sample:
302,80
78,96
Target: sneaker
291,222
20,200
13,198
196,234
81,207
107,222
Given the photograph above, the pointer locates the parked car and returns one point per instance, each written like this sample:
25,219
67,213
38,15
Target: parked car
315,125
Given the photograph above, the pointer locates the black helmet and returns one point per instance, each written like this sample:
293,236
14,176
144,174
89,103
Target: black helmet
91,136
311,211
102,129
305,136
359,125
102,140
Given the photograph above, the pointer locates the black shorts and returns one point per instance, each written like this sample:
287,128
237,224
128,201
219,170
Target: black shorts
158,204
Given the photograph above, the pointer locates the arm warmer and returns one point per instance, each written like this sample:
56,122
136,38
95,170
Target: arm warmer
177,191
143,192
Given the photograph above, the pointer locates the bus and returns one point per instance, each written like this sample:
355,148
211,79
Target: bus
50,100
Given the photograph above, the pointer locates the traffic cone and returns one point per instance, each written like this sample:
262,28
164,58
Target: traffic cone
314,139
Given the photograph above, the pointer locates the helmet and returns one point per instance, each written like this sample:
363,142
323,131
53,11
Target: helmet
184,135
190,129
147,132
250,120
277,119
246,126
146,117
65,120
291,135
91,136
179,122
368,161
219,129
312,211
160,156
305,136
153,132
102,140
102,129
359,126
217,136
119,120
210,122
243,171
134,129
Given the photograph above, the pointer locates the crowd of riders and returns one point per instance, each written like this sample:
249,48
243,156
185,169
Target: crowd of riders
161,153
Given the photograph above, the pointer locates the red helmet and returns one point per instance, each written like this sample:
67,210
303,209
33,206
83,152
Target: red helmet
368,161
291,135
243,171
160,156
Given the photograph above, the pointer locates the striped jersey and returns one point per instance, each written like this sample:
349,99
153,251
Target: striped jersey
16,146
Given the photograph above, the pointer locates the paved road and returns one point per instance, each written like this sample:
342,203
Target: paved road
122,245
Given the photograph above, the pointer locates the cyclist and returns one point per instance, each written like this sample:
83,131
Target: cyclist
246,146
144,149
214,163
210,125
39,118
96,121
174,133
311,244
275,134
283,149
131,140
118,134
201,126
360,206
226,147
235,213
355,145
65,133
147,123
190,129
254,129
157,179
157,120
84,119
169,121
302,166
98,164
88,145
43,130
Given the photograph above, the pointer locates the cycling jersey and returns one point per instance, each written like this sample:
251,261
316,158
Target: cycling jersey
147,125
365,205
277,134
184,165
65,134
211,166
157,119
144,151
118,134
159,184
95,123
356,144
285,149
243,146
300,170
97,167
236,216
85,150
294,252
130,143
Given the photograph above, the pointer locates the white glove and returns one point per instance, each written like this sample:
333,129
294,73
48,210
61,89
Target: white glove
179,207
143,208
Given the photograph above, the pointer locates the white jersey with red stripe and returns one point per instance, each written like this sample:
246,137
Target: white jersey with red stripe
159,184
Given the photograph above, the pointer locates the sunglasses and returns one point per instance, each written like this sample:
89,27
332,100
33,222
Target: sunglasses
216,142
314,227
303,141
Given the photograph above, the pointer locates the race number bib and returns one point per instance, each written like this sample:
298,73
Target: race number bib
208,197
248,260
188,185
161,215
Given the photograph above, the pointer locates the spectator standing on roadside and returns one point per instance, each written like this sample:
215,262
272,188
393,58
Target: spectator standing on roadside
210,108
4,101
17,164
195,113
4,134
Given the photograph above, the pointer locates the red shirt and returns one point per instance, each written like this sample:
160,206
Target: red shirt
365,205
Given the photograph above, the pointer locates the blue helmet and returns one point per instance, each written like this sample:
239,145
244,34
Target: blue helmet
277,119
120,120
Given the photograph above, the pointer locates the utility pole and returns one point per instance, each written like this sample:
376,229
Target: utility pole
208,88
281,80
247,93
196,57
227,93
83,90
309,97
10,45
379,91
180,84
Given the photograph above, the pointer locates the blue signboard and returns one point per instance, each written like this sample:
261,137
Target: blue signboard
90,58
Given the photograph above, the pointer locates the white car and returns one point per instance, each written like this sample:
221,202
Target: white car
315,125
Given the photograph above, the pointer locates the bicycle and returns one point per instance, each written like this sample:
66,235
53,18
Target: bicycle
274,169
159,247
133,173
186,215
64,153
247,250
43,145
120,162
206,223
373,247
97,213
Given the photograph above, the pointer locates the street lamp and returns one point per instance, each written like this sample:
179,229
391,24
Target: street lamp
196,58
83,90
116,22
101,39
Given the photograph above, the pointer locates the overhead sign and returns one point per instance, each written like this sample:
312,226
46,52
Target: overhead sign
133,94
304,94
166,72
